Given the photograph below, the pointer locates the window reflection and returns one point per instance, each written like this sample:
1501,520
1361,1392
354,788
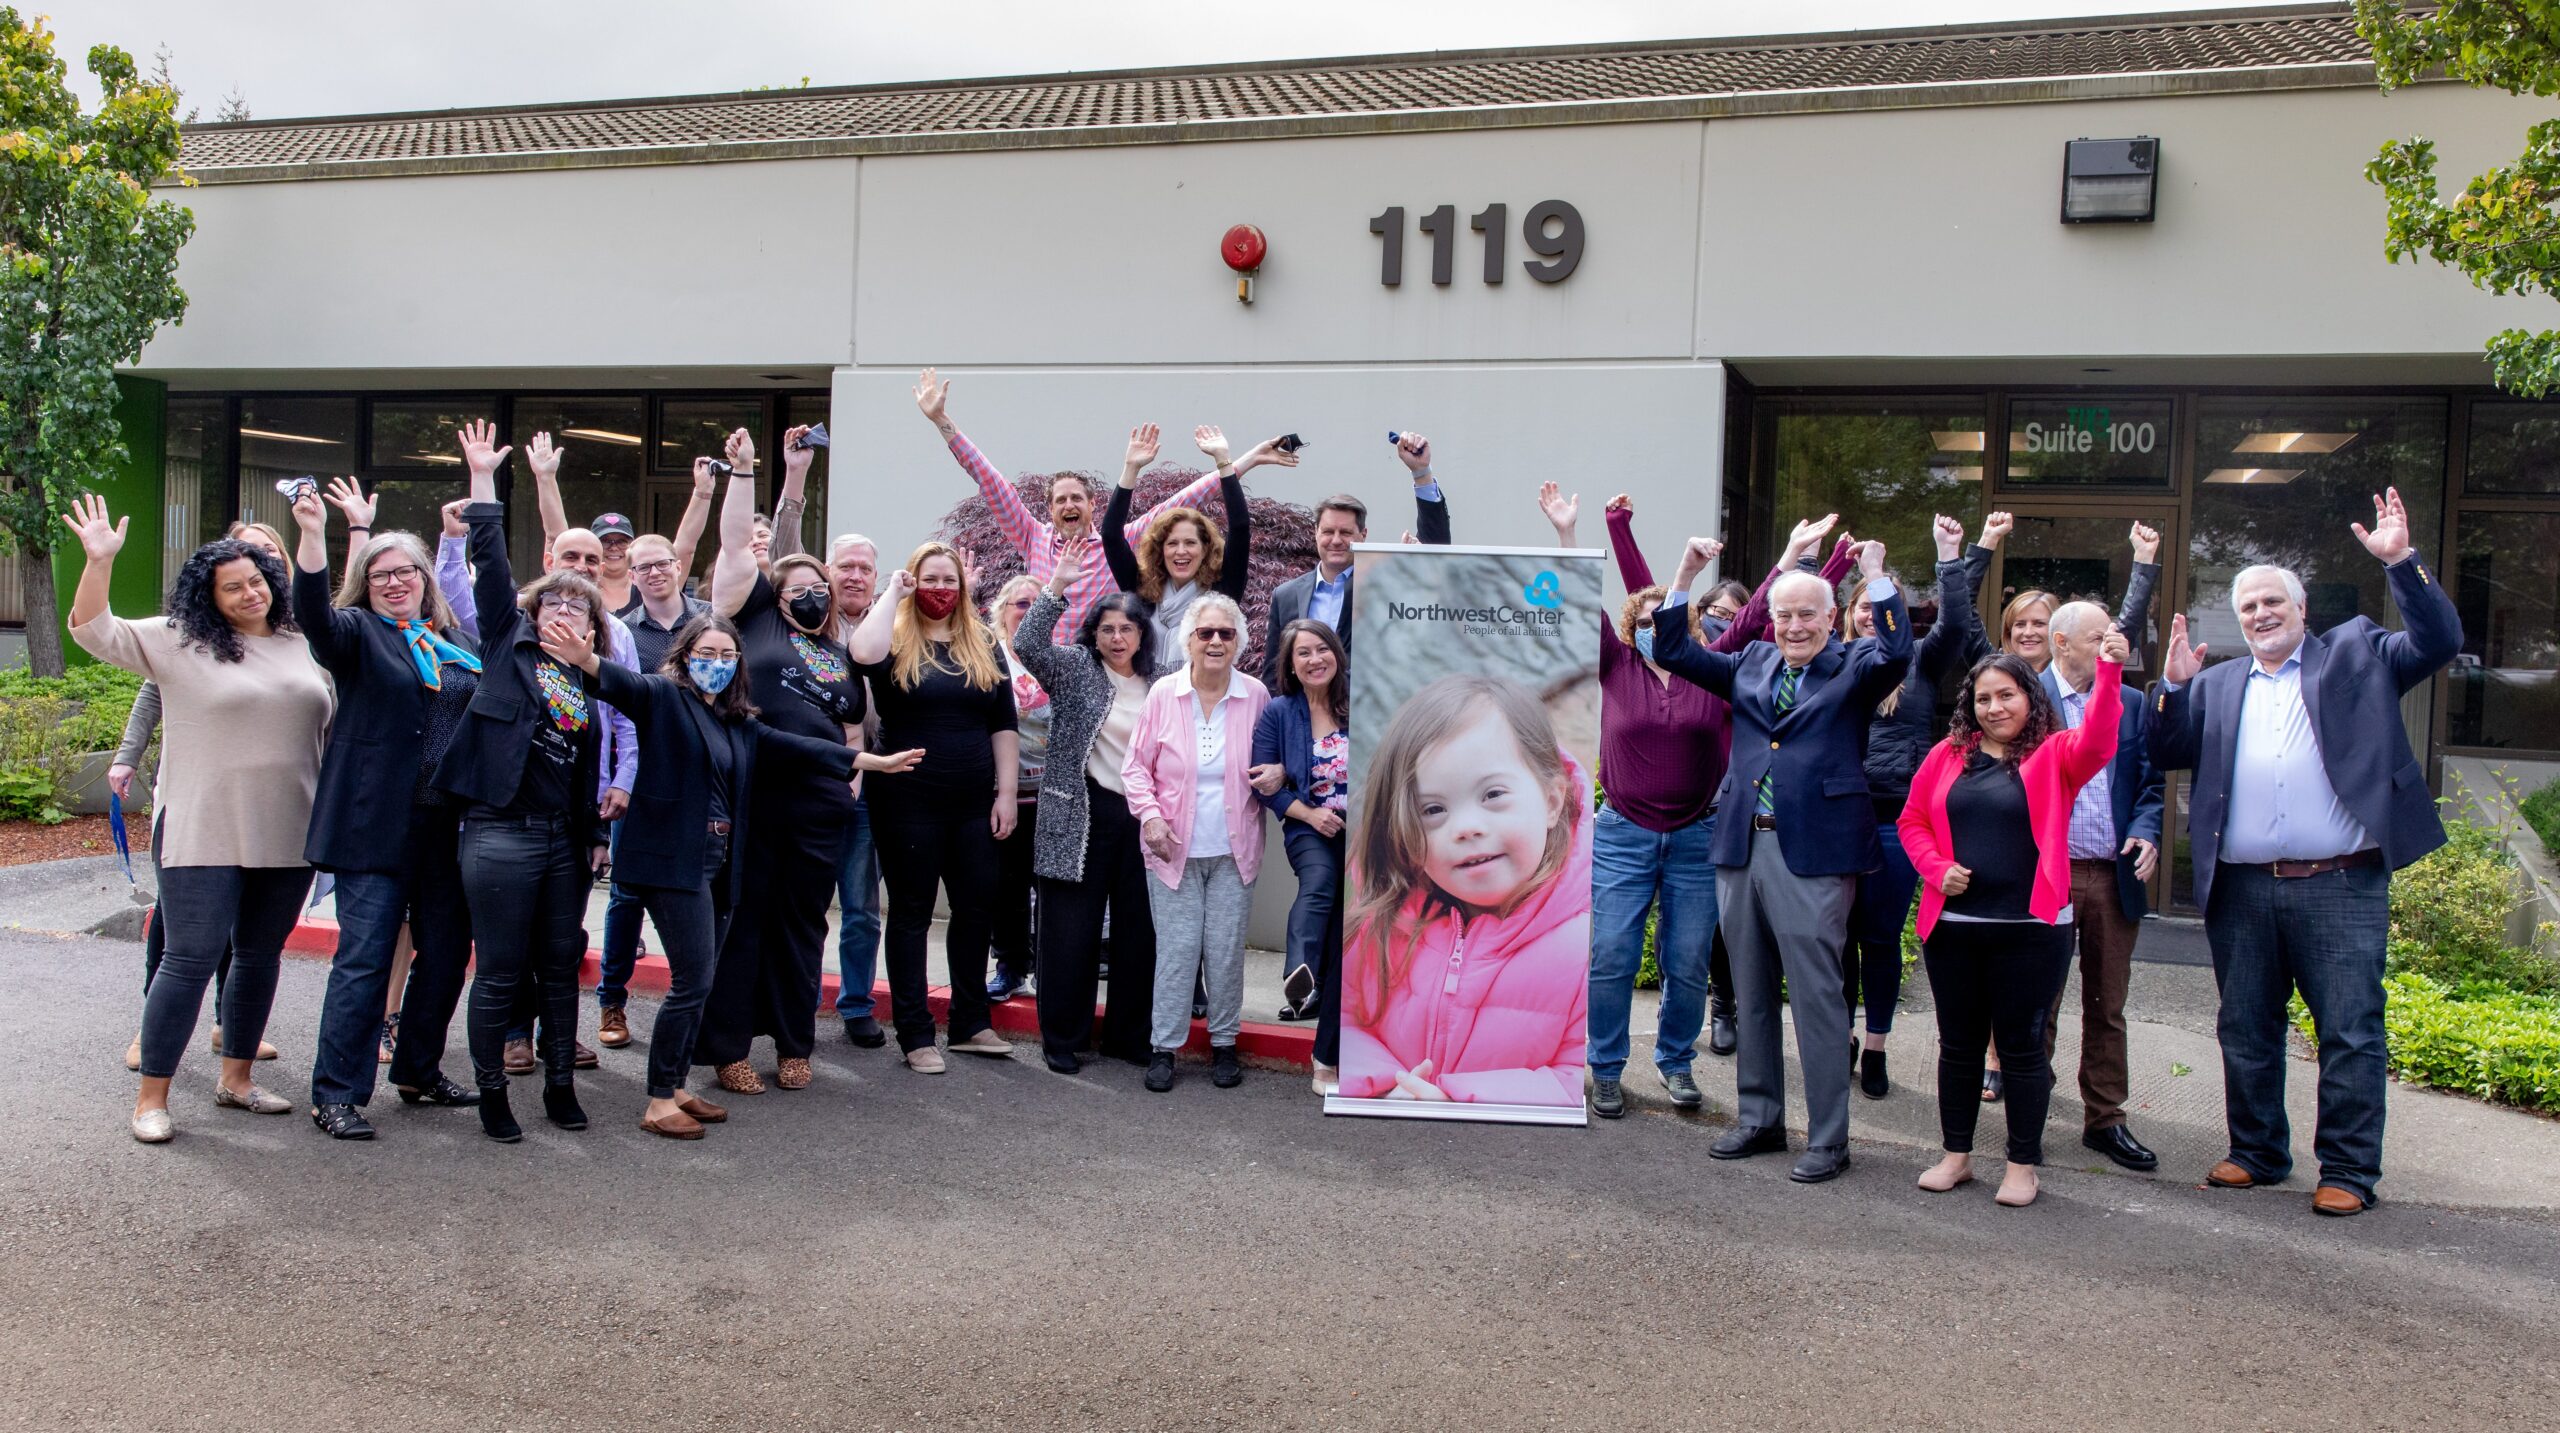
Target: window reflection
2506,684
1887,468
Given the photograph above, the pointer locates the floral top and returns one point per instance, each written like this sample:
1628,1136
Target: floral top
1329,778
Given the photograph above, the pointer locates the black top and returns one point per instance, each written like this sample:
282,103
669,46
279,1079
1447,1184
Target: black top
650,642
1987,816
443,711
953,721
803,684
722,784
1232,563
551,762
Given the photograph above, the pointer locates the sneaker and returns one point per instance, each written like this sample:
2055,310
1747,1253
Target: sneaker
925,1060
1004,985
1225,1071
519,1059
1608,1099
865,1032
1160,1071
613,1028
1685,1093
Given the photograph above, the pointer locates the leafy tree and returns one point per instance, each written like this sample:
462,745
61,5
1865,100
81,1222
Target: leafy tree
88,272
2504,229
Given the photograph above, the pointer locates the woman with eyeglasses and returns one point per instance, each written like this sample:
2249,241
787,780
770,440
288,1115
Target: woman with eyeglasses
772,959
1663,749
523,766
1012,945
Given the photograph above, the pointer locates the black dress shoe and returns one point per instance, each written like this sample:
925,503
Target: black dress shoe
865,1032
1720,1037
1819,1165
1744,1142
560,1105
341,1121
1871,1080
1063,1064
2117,1143
443,1092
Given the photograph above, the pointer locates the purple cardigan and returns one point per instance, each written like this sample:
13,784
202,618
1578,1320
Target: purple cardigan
1664,745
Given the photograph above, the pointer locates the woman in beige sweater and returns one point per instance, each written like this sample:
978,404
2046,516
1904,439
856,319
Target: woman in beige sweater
246,712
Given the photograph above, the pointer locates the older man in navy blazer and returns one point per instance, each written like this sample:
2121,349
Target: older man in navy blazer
2306,799
1797,830
2115,846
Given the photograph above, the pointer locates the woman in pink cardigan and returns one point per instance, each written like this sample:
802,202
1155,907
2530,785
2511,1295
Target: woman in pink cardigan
1190,788
1988,827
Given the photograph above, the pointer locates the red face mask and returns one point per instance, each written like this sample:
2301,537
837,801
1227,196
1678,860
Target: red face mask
937,602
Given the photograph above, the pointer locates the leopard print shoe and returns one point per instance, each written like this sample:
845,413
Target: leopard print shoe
740,1078
793,1074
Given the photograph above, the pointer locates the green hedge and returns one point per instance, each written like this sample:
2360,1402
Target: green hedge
47,724
2481,1038
2542,813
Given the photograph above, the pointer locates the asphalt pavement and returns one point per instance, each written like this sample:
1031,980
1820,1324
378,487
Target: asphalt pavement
1003,1247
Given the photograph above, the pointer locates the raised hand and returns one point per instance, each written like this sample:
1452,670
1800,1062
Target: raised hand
1995,527
101,537
2146,542
1562,511
1069,571
452,513
740,450
1268,452
1621,503
1694,558
1415,452
2389,537
310,516
543,457
1212,442
899,585
1871,560
349,499
933,397
480,450
1143,442
1950,536
2115,647
2181,662
1807,536
705,482
796,460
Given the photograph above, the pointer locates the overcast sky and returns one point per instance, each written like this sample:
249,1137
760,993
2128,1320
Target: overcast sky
306,57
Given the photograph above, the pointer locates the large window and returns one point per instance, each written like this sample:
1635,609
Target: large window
196,496
698,427
2090,443
2515,450
2505,687
602,461
1886,467
291,438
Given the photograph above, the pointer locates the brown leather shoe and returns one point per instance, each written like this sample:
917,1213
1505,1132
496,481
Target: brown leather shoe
580,1056
518,1058
2331,1200
700,1108
613,1028
740,1078
2228,1175
793,1074
674,1125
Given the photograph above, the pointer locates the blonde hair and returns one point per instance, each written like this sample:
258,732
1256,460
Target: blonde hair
265,530
355,591
1387,839
972,645
2017,607
1853,590
1213,551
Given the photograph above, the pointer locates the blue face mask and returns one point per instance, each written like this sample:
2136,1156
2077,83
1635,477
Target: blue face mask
712,674
1644,643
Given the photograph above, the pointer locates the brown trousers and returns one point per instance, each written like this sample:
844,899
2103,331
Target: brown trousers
2106,937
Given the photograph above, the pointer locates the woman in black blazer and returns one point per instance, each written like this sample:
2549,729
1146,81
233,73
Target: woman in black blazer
699,748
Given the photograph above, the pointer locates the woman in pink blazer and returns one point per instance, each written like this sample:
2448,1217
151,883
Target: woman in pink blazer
1988,827
1190,789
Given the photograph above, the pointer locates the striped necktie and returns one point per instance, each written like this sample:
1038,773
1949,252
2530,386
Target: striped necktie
1766,789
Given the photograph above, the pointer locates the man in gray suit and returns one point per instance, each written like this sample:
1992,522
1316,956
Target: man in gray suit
1341,520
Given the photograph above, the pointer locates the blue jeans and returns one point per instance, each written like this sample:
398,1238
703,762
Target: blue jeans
621,940
426,895
858,928
1872,959
1632,868
2323,935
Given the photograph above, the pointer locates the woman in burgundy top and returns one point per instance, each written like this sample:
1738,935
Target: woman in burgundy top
1663,748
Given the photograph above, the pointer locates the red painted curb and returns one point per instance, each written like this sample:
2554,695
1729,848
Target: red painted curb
1289,1045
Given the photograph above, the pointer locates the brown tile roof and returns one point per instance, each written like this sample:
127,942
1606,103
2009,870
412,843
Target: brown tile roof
2221,49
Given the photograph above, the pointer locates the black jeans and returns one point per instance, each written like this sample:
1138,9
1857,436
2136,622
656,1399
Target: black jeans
528,893
1994,982
247,909
155,935
1071,918
1315,927
691,924
425,894
928,843
772,959
1011,938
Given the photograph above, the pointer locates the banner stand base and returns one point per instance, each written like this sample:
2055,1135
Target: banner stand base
1576,1114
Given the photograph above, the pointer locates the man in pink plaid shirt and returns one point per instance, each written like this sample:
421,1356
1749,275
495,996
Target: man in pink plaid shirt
1072,511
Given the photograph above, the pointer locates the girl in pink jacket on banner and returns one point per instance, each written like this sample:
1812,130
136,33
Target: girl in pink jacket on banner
1465,968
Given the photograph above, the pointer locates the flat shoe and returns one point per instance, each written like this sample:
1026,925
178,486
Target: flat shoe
256,1101
133,1054
675,1124
265,1050
925,1060
793,1074
740,1078
700,1108
443,1092
987,1043
153,1127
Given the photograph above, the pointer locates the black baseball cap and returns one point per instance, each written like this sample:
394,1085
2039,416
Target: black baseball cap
613,524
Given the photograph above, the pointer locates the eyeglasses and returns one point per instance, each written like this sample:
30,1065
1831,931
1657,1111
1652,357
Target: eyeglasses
652,569
1020,604
802,589
554,602
1214,634
394,576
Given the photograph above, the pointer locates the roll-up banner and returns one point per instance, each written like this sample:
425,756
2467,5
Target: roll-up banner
1475,730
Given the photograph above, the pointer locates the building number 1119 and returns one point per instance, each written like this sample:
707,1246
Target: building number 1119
1558,252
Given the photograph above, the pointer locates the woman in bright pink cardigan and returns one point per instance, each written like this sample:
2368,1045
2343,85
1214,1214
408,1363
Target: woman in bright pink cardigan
1190,787
1988,827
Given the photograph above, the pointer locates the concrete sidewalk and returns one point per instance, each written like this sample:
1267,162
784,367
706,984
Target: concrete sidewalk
2438,1148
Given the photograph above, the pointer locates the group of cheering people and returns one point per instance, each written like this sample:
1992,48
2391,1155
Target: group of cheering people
463,756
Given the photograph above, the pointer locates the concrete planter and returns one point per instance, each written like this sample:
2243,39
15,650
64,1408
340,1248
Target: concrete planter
2491,795
89,793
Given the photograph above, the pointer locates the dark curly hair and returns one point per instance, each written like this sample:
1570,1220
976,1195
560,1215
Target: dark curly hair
1966,732
191,607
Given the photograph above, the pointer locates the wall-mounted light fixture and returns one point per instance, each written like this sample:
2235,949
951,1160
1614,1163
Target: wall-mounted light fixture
2110,181
1243,247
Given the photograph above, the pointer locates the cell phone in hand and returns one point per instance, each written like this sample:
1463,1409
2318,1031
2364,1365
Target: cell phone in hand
1289,442
296,489
720,469
816,437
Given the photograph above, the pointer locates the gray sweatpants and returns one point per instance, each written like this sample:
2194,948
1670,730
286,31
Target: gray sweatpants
1776,922
1200,936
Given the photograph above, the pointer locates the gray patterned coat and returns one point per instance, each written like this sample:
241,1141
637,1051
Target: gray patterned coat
1079,689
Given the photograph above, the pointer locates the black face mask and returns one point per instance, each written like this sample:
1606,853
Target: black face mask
809,609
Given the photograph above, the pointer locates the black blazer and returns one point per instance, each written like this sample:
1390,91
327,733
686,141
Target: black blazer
360,815
661,838
1289,599
485,764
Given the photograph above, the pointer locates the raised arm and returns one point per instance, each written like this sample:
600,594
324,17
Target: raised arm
697,518
347,497
1036,642
493,581
1633,570
1014,518
324,625
2432,632
1236,563
1116,549
111,641
453,568
2134,616
2177,722
1563,512
734,571
869,644
1752,623
543,460
2088,747
1673,649
792,499
1881,666
1430,504
1958,628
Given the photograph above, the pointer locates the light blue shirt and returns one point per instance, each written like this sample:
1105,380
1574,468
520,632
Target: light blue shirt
1325,599
2093,811
2282,805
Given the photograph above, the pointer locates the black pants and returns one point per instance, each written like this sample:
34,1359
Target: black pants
426,895
1994,983
690,924
773,956
1011,939
155,935
1071,920
247,909
527,885
930,842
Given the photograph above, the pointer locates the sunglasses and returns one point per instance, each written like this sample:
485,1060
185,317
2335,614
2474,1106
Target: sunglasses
1214,634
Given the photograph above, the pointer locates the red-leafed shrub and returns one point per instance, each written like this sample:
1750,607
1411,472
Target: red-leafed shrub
1284,539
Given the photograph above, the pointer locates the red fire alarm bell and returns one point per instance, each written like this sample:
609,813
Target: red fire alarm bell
1243,248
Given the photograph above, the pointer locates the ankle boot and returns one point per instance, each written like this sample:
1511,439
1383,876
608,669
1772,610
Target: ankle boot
496,1120
560,1104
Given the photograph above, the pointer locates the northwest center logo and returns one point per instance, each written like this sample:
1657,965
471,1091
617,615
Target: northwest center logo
1543,591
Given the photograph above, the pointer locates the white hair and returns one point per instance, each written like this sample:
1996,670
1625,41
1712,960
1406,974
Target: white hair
1208,602
835,549
2292,584
2072,618
1796,582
